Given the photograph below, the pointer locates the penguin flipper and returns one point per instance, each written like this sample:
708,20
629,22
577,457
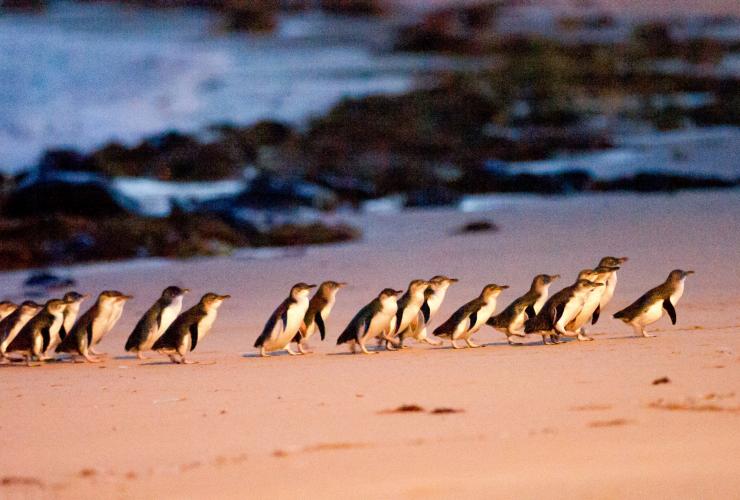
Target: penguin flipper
320,323
668,306
425,311
473,319
595,317
62,332
46,335
530,311
193,335
558,313
89,330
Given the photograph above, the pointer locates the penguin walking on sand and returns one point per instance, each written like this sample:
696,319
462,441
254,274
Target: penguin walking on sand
6,307
470,317
409,307
115,314
156,320
40,332
649,308
611,284
14,322
372,321
92,326
284,323
319,309
190,328
71,310
561,308
434,295
591,305
511,320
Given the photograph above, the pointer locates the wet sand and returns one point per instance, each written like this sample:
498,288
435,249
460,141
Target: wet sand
578,420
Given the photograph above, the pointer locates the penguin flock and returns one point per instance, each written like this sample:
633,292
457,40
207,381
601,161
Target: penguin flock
38,333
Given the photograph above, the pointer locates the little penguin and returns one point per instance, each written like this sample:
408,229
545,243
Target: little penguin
649,308
156,320
319,309
40,332
372,321
409,307
561,308
285,321
93,324
189,328
470,317
14,322
434,295
115,314
511,320
592,302
611,283
6,307
71,310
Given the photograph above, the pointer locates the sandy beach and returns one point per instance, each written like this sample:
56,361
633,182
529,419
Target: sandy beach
577,420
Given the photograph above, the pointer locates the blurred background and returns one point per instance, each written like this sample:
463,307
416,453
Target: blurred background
186,127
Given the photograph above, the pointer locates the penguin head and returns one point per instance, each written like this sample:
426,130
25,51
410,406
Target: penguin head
329,289
55,306
587,274
542,282
441,282
121,297
173,292
74,297
678,275
6,305
584,285
603,272
418,286
213,300
30,307
492,290
300,290
613,261
389,295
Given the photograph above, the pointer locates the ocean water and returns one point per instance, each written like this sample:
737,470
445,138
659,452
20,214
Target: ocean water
81,75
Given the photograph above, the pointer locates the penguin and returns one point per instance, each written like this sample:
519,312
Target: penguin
156,320
319,308
91,326
468,319
189,328
40,332
434,295
611,284
511,320
115,314
649,308
409,307
373,320
593,300
561,308
71,310
284,323
14,322
6,307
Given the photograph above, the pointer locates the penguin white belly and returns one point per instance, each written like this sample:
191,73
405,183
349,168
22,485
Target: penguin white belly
100,325
484,313
572,308
380,323
587,311
282,335
434,303
325,312
38,344
54,338
517,325
168,316
539,303
206,324
611,285
70,316
652,314
677,294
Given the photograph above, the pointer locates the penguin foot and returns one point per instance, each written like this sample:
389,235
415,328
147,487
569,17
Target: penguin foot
647,335
454,345
91,359
140,355
188,362
471,344
264,353
582,337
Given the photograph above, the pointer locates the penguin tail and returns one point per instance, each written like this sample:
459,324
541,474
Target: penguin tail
346,336
130,344
619,315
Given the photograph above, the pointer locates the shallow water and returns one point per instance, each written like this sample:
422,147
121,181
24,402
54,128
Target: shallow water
82,75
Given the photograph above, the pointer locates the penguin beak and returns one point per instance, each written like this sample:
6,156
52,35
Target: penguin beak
308,287
453,280
686,273
397,292
224,297
185,290
126,297
503,287
342,284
